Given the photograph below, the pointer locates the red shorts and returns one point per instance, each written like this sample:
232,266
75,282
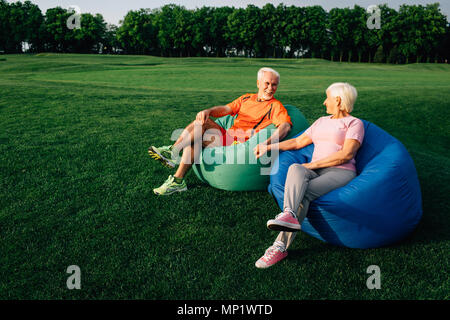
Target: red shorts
227,139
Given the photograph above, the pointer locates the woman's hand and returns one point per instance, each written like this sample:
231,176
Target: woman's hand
309,165
260,149
337,158
202,116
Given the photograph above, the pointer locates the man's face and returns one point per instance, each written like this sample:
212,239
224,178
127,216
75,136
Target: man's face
267,86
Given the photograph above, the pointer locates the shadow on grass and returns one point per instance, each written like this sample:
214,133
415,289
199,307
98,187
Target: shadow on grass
198,186
433,226
413,239
303,254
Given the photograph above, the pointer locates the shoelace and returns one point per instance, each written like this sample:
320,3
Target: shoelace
269,254
169,181
166,152
291,212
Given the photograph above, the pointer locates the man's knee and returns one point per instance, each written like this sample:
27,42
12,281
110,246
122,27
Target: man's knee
208,124
195,129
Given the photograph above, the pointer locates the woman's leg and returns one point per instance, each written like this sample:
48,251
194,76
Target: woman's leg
326,180
296,184
297,180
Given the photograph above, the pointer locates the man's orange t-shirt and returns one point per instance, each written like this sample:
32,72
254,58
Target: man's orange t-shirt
254,115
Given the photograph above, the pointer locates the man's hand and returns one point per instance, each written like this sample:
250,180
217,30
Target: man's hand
202,116
260,149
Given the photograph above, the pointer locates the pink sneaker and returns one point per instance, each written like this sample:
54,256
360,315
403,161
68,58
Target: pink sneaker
285,221
273,255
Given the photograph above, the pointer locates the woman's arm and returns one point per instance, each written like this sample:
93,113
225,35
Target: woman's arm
347,153
292,144
280,133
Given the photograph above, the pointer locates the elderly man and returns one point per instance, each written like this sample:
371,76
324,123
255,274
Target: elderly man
254,112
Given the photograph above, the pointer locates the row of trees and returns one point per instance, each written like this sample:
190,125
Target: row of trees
413,33
24,23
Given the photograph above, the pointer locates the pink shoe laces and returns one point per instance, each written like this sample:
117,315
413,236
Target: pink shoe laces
270,253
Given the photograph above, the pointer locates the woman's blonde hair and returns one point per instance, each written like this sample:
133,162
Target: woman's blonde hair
346,92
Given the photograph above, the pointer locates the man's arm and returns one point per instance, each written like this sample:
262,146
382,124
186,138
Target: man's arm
216,112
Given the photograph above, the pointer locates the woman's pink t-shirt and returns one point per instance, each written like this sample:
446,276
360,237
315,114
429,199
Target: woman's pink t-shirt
328,136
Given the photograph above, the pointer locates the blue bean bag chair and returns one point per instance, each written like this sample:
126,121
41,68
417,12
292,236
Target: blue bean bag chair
380,206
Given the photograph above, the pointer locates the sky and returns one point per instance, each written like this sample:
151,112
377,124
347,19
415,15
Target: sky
114,10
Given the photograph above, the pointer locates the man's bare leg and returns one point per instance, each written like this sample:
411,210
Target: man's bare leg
192,143
187,159
186,142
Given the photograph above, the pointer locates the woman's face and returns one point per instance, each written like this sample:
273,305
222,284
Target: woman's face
332,104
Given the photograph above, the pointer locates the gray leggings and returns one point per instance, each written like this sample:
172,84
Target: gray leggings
303,186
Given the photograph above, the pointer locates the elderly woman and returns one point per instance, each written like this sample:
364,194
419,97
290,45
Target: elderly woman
336,140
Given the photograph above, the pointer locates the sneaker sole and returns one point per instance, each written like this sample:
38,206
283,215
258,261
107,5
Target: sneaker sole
154,154
169,193
282,226
263,265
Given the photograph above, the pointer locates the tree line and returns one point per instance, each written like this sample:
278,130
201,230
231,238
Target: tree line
414,33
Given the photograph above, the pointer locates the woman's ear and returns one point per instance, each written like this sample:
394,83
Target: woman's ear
338,101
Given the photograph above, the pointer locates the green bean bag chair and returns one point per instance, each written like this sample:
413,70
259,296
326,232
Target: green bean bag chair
235,167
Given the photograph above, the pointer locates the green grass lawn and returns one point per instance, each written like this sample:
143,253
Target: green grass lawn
76,182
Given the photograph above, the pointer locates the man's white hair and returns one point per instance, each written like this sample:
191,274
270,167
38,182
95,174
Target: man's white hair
262,70
346,92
